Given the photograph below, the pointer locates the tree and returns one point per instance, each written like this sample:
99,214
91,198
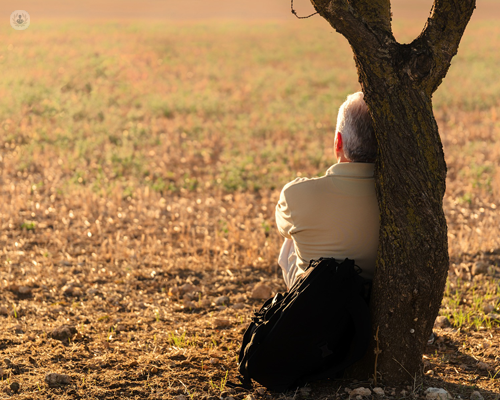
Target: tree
398,81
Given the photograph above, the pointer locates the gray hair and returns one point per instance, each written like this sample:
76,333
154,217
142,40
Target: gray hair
355,124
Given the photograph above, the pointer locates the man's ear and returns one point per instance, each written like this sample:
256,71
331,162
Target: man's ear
338,143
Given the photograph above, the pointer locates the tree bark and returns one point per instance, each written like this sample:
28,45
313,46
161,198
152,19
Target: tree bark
398,81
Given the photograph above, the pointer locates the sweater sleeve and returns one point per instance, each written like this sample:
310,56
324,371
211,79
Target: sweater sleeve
284,216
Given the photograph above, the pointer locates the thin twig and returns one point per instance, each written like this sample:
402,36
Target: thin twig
412,377
295,13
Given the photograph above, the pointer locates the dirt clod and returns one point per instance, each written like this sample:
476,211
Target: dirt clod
18,330
187,288
238,306
222,301
261,291
71,291
479,268
442,322
221,323
484,366
53,379
63,333
488,308
24,290
14,386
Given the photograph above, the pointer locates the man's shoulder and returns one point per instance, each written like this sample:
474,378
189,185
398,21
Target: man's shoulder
305,185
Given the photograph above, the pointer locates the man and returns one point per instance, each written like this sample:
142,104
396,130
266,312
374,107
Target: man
336,215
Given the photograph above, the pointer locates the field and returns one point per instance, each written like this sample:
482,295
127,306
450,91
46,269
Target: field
140,164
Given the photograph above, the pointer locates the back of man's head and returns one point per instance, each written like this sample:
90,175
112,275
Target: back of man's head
355,124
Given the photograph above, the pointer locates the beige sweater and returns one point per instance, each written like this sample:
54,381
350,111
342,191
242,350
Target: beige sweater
336,215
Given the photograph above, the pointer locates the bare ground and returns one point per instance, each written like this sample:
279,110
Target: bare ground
155,324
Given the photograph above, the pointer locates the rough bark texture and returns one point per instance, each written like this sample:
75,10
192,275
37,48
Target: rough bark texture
398,81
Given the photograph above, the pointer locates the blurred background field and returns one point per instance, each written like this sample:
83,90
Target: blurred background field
149,143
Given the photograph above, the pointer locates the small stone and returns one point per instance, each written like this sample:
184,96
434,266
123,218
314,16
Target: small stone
187,288
205,303
488,308
188,296
239,298
4,311
63,333
262,391
479,268
437,394
361,391
53,379
93,292
2,372
71,291
378,391
18,330
238,306
221,323
222,301
442,322
475,395
14,386
189,304
180,397
261,291
24,290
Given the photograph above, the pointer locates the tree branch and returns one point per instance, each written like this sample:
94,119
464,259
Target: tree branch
366,24
375,13
442,34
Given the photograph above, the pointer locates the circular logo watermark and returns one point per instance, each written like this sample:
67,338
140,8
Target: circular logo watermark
19,20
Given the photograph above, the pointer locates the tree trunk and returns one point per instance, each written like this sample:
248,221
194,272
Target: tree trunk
398,82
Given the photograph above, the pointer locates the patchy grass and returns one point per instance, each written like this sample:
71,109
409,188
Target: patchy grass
137,159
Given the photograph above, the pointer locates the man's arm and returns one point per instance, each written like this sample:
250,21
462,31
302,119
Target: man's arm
284,216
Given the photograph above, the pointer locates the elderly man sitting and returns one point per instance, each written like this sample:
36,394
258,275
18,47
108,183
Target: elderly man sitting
336,215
